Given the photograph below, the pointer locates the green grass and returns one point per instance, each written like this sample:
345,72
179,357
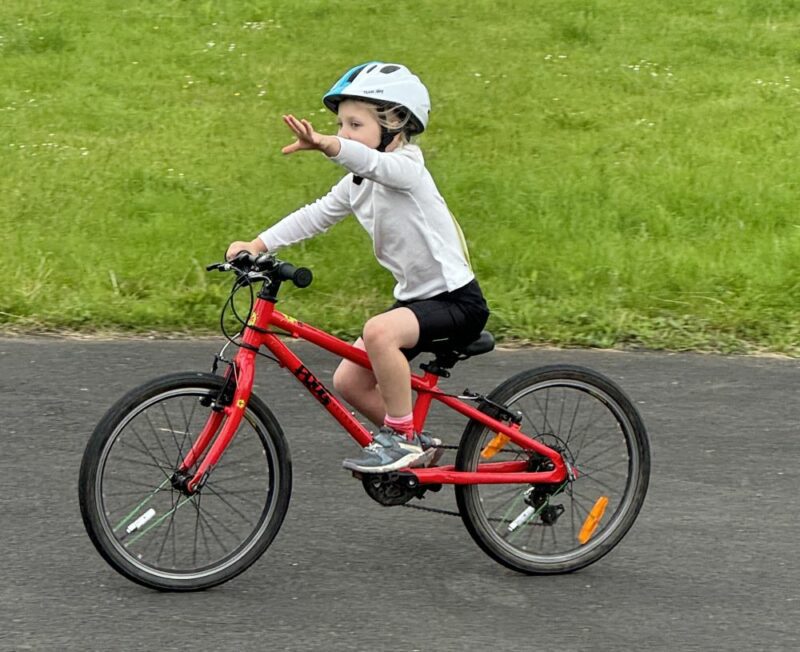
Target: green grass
626,172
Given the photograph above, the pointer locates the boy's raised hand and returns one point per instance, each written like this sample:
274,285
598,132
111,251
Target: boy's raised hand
308,139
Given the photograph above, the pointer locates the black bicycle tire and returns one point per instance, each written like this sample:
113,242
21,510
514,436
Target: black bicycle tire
467,495
107,427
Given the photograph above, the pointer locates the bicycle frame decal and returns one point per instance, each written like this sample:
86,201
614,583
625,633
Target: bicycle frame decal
258,333
312,384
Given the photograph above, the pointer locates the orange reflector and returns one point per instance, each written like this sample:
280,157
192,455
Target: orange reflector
593,520
495,446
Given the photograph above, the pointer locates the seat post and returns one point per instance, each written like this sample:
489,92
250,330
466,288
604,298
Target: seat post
441,364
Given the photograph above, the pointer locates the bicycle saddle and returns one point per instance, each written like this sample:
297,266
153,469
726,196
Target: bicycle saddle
448,354
483,344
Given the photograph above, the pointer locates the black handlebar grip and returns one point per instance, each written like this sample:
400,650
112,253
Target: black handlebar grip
303,277
300,276
243,256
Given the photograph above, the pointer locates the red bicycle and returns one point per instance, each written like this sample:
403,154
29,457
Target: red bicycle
186,479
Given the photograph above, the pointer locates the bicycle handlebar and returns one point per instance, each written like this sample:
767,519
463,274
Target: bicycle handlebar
245,263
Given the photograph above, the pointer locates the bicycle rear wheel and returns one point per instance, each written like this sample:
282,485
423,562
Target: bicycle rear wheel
153,533
546,529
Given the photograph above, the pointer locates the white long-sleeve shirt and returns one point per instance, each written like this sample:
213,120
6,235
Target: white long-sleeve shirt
414,234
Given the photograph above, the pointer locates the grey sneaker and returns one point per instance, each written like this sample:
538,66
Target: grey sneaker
390,451
427,442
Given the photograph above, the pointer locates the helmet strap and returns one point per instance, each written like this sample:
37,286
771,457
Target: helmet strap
386,138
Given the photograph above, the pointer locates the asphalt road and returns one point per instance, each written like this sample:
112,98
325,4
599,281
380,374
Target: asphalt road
711,563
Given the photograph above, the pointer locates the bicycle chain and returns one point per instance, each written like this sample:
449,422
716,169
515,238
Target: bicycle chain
448,512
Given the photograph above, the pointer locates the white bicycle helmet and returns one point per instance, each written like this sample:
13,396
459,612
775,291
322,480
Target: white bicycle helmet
383,84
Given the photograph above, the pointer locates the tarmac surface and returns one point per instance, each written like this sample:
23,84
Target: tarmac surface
711,563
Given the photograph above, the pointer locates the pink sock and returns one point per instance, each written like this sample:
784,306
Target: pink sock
401,424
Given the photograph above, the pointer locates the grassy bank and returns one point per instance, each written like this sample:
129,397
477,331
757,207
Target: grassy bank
625,172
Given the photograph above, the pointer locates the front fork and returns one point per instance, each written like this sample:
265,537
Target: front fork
226,414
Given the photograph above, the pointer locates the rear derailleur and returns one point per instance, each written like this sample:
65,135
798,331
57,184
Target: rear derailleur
538,496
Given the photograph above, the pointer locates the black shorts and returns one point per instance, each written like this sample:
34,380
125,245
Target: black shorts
452,318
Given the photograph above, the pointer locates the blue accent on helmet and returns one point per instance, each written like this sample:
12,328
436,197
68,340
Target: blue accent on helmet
339,87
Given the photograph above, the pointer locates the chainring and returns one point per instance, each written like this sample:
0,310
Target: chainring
390,492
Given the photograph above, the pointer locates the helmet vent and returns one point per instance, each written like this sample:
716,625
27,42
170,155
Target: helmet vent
389,69
355,74
371,68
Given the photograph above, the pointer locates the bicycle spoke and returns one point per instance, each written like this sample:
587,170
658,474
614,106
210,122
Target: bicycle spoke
544,413
513,489
169,426
147,450
137,483
196,530
579,504
514,499
218,480
561,414
536,431
595,477
119,494
141,504
592,470
607,487
596,455
155,434
166,536
158,521
242,496
210,517
234,509
141,463
188,422
585,430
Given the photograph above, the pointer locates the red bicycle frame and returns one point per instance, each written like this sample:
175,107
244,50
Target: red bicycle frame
258,333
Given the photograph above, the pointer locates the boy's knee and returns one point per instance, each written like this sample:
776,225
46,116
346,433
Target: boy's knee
389,330
348,382
341,381
376,333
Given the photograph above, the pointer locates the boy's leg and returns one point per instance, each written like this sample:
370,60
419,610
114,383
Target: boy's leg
384,336
396,445
359,388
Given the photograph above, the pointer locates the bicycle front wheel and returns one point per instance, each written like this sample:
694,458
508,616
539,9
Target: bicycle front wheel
152,532
547,529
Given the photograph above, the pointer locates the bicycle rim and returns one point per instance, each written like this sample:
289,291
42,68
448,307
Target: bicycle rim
156,528
561,528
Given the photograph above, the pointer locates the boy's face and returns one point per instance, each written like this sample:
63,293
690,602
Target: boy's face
357,122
